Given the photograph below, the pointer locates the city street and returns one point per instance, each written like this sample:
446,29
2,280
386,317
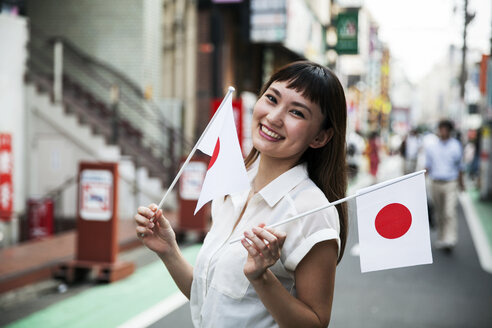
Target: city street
454,291
109,106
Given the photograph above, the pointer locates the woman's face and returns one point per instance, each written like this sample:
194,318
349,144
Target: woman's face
285,124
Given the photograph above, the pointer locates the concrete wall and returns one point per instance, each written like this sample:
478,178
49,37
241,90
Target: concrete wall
123,33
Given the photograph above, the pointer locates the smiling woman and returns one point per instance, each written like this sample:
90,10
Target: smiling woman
284,126
272,278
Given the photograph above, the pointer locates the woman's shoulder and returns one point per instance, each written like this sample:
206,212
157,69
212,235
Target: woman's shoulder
307,195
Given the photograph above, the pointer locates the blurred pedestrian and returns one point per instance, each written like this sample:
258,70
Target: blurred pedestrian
372,153
355,148
410,150
445,167
471,155
273,277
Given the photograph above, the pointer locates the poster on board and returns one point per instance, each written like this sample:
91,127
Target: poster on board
96,195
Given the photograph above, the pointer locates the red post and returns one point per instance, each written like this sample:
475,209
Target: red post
97,221
97,225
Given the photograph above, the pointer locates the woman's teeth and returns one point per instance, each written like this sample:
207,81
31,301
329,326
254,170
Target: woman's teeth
270,133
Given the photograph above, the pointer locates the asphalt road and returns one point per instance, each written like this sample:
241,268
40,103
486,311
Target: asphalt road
454,291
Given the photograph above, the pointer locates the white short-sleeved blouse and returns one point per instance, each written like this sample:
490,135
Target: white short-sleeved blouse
221,295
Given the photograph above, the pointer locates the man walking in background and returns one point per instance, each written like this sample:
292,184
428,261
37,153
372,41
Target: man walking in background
444,166
411,148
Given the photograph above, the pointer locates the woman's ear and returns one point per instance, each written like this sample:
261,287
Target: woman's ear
322,138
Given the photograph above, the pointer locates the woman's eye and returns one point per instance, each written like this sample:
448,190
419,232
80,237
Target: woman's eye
271,98
297,113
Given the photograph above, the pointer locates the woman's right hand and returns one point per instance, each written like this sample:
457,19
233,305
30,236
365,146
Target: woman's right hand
157,235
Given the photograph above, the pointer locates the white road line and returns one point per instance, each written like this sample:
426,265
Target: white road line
355,250
479,238
156,312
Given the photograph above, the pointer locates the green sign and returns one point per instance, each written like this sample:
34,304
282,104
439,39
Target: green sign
347,33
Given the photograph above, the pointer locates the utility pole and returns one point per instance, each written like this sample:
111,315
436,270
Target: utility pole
468,18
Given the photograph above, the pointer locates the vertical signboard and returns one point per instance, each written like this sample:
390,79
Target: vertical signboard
190,185
483,74
97,222
488,108
6,184
191,180
347,33
97,226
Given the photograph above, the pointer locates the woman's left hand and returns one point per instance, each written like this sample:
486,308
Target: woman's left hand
263,246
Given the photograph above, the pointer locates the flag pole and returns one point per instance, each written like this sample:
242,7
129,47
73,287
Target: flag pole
229,93
358,193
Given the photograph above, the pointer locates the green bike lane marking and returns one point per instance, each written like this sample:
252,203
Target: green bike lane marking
112,304
484,212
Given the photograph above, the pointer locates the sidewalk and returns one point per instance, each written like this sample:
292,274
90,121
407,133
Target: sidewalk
34,261
478,214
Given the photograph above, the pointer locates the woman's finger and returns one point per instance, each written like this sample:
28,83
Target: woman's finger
281,235
163,222
251,250
265,234
272,240
142,231
145,211
257,242
144,221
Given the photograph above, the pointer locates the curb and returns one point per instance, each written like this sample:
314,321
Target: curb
479,238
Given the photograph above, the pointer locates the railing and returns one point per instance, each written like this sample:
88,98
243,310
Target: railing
118,101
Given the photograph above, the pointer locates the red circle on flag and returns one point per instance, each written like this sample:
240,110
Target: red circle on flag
393,221
214,155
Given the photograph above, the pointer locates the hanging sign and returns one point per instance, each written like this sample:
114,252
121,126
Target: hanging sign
347,33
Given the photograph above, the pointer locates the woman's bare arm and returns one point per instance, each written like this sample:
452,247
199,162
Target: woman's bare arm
315,281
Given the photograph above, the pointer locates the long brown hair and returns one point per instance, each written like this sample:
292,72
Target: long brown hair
326,165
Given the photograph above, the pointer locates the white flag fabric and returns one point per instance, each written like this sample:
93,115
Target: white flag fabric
226,172
393,224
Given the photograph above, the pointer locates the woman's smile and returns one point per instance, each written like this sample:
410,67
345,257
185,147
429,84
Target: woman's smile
269,134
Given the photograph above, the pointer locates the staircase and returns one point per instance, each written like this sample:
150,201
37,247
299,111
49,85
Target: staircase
108,102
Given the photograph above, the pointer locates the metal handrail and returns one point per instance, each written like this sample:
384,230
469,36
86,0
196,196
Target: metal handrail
164,141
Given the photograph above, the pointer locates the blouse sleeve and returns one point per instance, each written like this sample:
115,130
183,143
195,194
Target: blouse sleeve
306,232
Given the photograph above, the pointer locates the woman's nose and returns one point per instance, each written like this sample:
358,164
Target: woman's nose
275,117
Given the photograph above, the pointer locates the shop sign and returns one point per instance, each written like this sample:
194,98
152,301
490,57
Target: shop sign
268,21
6,184
347,33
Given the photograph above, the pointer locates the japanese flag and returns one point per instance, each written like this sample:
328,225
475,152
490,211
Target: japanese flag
393,224
226,172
